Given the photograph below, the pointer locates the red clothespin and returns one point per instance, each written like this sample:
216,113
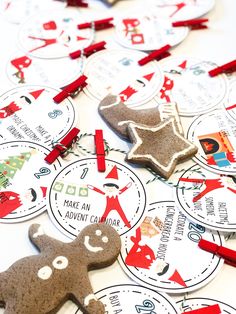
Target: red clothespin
156,55
88,51
77,3
225,68
193,24
100,152
211,309
227,254
98,24
60,148
73,87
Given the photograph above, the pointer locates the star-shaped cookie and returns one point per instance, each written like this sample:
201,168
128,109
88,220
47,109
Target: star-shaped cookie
160,147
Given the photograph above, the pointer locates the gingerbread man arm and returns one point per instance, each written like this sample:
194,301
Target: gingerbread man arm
86,298
40,239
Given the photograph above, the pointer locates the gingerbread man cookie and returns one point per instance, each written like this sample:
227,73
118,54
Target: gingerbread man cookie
42,283
118,116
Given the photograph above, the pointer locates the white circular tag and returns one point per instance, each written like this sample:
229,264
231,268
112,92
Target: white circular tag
188,83
207,198
29,113
24,180
148,32
158,252
54,34
214,135
80,195
118,72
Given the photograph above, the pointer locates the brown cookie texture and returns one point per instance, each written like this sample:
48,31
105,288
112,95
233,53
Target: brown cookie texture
160,147
42,283
117,115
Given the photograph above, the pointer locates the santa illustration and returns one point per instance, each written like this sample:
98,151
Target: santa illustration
10,200
209,185
135,87
19,103
112,192
142,256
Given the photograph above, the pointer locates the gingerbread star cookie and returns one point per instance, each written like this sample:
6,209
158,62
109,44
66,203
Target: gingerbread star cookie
160,147
40,284
117,115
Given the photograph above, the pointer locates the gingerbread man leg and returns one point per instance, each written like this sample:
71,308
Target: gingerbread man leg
87,299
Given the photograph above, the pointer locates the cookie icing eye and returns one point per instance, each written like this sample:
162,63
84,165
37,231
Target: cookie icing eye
45,272
105,239
60,262
98,232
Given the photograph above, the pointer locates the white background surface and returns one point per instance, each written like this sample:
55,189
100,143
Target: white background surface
217,43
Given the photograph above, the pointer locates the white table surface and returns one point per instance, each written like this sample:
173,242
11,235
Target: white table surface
217,43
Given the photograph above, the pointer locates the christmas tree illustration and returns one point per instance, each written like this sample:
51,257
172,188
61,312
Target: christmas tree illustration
10,166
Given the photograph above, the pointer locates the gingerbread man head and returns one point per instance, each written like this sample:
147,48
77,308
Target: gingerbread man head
99,244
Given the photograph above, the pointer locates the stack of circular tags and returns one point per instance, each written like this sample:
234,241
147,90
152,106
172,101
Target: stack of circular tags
160,218
30,121
44,43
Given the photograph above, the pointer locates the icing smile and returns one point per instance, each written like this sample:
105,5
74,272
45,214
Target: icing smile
90,247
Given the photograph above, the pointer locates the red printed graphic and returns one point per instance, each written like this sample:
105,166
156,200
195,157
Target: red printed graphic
140,255
10,201
19,103
178,7
217,148
112,192
135,87
63,38
166,88
20,64
131,26
228,182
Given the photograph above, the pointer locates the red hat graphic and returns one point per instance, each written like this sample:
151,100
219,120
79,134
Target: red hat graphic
112,176
36,93
149,76
177,278
44,190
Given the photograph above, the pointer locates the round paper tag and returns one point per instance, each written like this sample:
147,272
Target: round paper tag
129,298
163,253
183,10
230,105
118,72
18,10
29,113
213,306
54,34
24,179
80,195
25,69
148,32
188,83
212,203
214,135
